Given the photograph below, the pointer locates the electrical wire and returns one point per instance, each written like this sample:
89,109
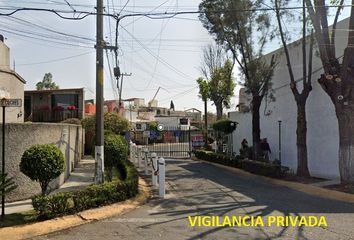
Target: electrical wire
55,60
126,3
160,59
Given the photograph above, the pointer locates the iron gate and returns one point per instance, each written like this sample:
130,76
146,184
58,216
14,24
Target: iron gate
171,142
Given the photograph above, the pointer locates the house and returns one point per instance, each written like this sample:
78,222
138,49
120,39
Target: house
11,84
54,105
322,126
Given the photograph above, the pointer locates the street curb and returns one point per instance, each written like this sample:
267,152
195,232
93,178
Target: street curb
305,188
29,231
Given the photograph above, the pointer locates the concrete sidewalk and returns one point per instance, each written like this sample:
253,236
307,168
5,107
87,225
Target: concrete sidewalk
82,176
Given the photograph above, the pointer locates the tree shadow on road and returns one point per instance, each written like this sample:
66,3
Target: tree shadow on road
205,190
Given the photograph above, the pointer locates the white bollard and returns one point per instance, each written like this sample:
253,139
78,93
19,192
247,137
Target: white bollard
139,156
162,168
146,152
154,169
132,152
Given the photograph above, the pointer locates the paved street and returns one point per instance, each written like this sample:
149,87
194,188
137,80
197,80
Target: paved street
196,188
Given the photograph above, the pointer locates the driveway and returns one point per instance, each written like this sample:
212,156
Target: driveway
197,188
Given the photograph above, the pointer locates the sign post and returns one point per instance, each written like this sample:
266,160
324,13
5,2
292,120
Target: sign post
5,103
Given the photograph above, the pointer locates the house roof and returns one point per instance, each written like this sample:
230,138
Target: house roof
193,110
54,90
9,71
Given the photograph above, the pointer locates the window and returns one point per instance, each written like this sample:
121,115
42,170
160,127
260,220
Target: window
65,100
183,121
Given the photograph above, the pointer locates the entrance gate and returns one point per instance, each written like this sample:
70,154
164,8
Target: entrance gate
171,142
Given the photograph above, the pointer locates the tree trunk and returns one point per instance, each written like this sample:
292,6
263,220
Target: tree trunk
346,143
301,140
256,128
206,123
218,110
44,186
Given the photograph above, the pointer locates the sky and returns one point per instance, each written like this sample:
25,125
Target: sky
162,53
159,53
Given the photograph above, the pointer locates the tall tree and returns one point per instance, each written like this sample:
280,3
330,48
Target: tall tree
204,95
47,83
300,97
338,78
243,31
217,69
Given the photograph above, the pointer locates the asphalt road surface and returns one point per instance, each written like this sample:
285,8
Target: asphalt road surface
196,188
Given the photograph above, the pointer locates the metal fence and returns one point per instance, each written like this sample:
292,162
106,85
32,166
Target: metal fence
170,142
53,115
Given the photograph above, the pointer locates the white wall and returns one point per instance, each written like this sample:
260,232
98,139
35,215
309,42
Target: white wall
322,125
172,122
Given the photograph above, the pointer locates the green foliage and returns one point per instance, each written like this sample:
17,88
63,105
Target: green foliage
218,158
244,34
6,184
47,83
218,84
113,123
115,151
72,121
53,205
153,125
204,90
42,163
225,126
93,196
256,167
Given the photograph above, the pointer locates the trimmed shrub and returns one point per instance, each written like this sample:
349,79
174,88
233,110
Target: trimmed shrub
53,205
115,151
72,121
42,163
261,168
93,196
225,126
113,122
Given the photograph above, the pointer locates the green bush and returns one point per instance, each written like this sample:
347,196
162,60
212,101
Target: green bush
113,122
115,150
72,121
90,197
42,163
53,205
261,168
225,126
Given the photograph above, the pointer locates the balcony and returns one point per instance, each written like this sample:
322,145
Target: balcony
56,115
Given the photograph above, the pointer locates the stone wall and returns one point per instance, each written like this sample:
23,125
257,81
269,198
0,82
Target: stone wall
21,136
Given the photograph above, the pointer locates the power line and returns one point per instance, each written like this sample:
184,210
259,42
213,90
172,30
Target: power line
28,23
160,59
55,60
124,7
70,5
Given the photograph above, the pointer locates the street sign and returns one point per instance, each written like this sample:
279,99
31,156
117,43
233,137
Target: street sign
16,102
4,103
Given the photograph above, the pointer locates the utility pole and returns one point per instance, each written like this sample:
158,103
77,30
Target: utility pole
99,151
121,86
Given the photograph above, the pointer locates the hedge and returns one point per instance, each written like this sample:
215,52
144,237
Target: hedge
261,168
115,151
95,195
